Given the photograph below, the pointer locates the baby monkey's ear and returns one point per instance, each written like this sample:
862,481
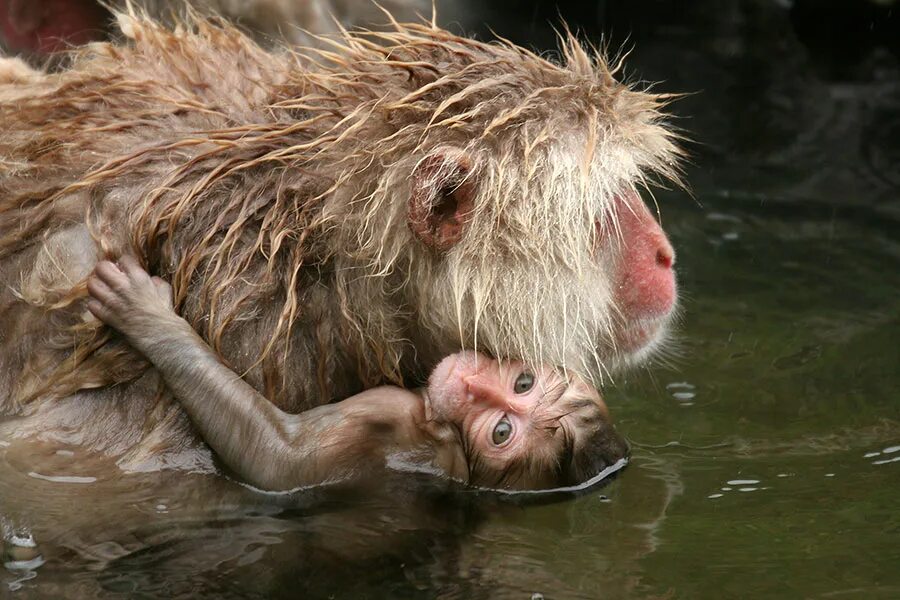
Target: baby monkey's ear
442,198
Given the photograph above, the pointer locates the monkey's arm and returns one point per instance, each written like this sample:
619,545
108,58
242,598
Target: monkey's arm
265,446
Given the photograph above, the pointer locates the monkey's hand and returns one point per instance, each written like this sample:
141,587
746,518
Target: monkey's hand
126,297
265,446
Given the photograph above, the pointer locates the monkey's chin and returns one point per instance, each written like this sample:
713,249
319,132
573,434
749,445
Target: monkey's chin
445,394
640,341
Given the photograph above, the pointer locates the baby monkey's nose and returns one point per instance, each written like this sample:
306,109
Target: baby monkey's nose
485,389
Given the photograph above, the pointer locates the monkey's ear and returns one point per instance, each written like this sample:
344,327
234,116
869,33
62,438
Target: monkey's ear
442,197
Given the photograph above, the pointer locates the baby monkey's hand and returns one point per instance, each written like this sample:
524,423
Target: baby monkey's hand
126,297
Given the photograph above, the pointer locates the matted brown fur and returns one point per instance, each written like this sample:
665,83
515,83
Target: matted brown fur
271,189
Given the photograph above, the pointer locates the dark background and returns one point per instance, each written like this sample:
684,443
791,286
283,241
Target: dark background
802,93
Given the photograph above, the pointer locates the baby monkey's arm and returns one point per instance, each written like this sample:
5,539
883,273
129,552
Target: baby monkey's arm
255,439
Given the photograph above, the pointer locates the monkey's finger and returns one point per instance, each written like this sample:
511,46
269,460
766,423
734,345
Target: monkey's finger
130,265
100,291
162,286
163,289
98,309
110,274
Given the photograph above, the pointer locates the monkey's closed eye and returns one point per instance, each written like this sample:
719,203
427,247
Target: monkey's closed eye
524,383
502,431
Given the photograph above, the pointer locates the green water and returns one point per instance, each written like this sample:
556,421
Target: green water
792,344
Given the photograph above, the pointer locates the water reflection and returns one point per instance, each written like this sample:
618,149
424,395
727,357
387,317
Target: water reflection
882,457
177,534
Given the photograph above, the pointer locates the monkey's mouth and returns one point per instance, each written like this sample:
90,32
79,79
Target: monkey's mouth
426,405
643,336
444,396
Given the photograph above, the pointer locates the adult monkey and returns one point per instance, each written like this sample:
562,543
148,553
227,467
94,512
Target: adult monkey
329,220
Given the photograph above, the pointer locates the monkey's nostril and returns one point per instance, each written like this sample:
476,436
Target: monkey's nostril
665,258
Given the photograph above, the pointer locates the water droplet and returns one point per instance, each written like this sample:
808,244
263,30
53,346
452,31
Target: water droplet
718,216
682,391
62,478
20,551
22,539
679,385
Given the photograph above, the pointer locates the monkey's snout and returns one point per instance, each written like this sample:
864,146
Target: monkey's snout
665,255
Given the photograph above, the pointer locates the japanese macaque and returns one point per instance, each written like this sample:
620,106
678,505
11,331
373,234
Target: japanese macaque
329,220
479,421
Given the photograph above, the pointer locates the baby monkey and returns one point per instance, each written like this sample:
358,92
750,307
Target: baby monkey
487,423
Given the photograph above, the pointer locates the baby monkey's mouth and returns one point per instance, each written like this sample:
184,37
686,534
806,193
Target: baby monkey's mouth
426,403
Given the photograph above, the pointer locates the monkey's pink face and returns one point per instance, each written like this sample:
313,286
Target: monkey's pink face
518,426
644,289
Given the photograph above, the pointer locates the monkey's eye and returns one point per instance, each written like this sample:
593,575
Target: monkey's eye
502,431
524,383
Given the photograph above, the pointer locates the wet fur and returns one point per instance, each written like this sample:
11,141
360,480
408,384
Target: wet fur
271,189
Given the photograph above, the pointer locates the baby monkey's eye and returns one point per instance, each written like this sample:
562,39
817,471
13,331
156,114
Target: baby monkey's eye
524,383
502,431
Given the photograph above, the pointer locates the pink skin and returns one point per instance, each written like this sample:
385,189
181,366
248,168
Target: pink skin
645,291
